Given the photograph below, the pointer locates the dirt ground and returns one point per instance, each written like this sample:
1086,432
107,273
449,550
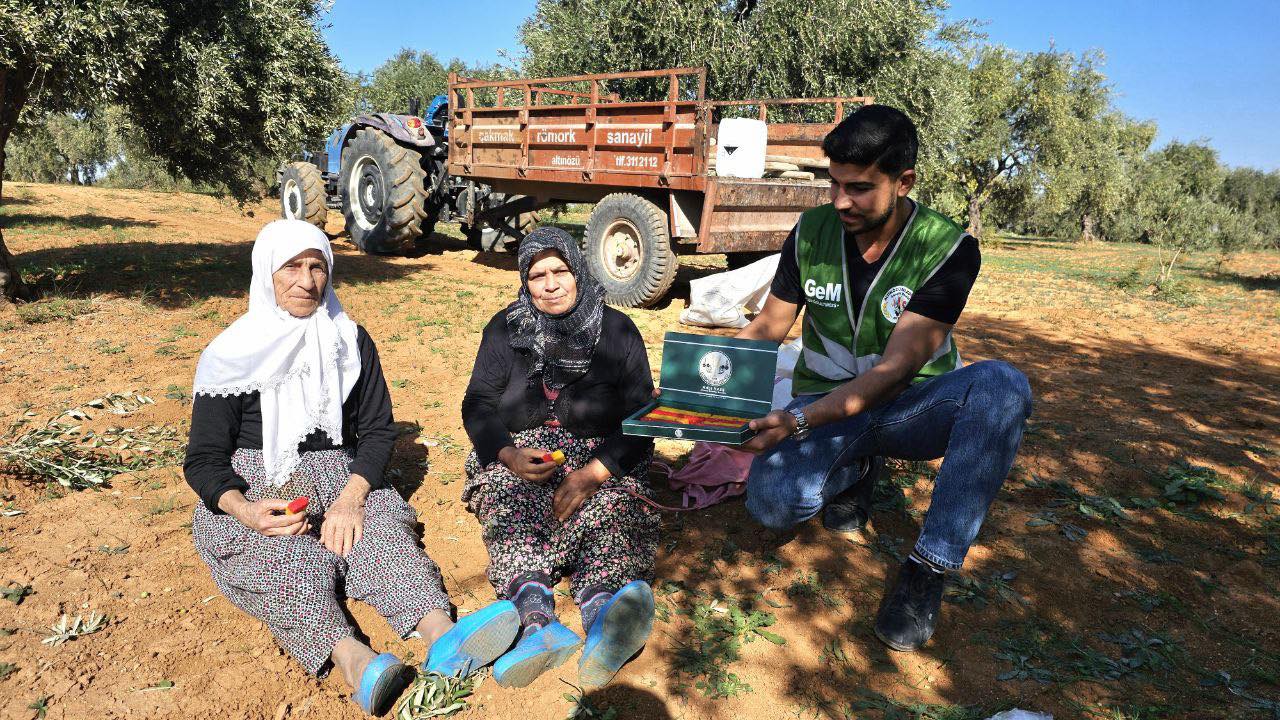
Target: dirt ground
1095,588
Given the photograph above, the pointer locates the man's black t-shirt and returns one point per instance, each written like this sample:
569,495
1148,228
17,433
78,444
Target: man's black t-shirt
941,298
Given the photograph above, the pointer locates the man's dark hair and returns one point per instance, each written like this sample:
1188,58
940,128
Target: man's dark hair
874,135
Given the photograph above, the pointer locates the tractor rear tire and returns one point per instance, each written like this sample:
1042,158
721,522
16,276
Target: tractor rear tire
383,189
302,194
628,249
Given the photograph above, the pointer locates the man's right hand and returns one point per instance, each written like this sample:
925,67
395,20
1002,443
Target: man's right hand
527,463
267,517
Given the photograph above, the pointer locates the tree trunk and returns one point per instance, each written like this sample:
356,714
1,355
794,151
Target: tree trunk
11,285
14,85
975,216
1088,228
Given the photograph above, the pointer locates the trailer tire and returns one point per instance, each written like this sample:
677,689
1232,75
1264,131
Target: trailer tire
383,188
302,195
628,249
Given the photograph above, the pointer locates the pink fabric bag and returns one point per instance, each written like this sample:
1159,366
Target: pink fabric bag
713,474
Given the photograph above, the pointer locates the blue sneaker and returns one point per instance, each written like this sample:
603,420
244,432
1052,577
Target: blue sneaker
542,650
381,683
620,630
477,640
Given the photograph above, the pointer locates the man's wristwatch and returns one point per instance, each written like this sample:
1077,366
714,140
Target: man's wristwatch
802,425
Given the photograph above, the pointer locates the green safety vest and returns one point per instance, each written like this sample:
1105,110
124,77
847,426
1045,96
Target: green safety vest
842,341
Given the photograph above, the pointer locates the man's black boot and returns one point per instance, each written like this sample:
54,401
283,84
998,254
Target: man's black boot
849,511
909,612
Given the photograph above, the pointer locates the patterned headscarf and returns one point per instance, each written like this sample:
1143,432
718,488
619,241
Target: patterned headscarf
560,346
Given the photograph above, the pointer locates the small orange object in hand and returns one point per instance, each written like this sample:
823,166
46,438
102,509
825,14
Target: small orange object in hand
297,506
555,456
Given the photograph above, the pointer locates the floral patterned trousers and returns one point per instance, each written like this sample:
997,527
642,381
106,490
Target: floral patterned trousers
610,540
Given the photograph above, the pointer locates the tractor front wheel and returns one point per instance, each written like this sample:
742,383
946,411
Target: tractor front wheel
302,194
383,192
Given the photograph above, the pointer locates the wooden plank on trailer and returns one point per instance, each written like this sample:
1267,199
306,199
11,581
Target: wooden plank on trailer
771,193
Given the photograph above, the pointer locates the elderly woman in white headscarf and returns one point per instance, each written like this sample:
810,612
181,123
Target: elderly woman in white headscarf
290,403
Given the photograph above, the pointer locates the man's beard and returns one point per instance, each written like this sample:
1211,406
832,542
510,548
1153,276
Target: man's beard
874,223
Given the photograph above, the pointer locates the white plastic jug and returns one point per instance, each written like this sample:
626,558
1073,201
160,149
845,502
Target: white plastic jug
740,147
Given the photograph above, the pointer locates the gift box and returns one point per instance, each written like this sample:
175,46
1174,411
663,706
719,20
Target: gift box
711,388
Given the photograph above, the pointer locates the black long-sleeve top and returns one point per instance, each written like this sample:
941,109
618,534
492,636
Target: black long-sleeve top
500,400
221,424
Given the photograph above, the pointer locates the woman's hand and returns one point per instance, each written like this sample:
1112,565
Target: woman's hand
343,524
527,463
577,487
266,517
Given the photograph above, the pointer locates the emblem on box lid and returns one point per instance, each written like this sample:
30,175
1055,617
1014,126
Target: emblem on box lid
715,368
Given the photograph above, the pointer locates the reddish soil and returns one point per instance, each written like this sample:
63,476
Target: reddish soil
1126,385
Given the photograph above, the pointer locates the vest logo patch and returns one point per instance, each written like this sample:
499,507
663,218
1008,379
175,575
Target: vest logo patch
826,295
715,368
894,302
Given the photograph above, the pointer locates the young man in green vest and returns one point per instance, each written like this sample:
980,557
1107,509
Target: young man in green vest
882,280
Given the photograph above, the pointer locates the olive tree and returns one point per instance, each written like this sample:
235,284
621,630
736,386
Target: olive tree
1037,122
1175,203
407,75
211,87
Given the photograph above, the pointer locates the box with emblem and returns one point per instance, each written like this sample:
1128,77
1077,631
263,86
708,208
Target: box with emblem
711,388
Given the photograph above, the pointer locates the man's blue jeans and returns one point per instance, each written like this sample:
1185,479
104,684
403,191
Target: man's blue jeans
971,417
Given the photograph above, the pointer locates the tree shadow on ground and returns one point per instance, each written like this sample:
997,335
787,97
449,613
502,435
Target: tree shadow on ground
83,221
174,274
1051,607
1247,282
15,200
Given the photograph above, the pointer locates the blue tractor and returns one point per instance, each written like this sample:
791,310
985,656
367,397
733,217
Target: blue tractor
387,173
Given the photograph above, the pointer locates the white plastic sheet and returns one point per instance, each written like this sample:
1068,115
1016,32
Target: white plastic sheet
725,299
788,354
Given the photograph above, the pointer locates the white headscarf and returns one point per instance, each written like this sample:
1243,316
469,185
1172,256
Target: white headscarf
302,368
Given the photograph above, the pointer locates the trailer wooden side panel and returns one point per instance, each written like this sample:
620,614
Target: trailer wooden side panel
754,215
577,142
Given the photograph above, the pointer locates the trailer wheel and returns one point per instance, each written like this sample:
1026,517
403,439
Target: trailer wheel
302,195
383,192
629,250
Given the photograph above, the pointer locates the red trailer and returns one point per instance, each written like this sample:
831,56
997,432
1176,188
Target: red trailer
648,166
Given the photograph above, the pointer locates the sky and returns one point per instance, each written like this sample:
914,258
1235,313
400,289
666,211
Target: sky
1201,70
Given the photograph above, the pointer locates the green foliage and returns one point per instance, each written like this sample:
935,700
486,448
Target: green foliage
1255,195
63,454
1142,651
407,75
892,709
808,587
965,589
1038,123
1187,484
432,695
54,308
718,631
209,87
583,708
14,592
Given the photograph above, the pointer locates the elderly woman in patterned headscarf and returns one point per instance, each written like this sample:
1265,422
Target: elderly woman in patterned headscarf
290,402
557,370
